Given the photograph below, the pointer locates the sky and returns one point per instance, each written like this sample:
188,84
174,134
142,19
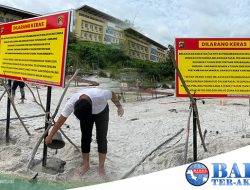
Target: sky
162,20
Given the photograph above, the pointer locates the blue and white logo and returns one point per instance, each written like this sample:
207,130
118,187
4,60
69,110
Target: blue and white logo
197,174
231,174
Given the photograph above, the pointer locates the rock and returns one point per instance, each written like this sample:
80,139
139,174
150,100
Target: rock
173,110
53,166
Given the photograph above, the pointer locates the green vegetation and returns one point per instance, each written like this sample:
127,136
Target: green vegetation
112,59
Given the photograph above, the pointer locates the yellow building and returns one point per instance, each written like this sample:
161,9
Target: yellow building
9,14
93,25
90,24
140,46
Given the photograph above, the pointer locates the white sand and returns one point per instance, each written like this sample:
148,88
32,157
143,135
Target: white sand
145,125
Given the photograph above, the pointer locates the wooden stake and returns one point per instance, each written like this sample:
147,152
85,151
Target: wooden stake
14,107
194,105
187,135
2,95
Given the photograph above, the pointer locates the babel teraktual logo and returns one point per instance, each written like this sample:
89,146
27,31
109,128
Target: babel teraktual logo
223,174
231,175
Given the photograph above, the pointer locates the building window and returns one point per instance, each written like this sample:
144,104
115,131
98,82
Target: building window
153,51
110,30
86,25
100,29
91,27
85,36
100,38
82,25
90,36
107,38
153,58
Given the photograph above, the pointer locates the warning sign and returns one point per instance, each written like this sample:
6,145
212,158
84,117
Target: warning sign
217,67
34,50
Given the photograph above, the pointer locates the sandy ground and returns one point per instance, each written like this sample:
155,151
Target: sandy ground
145,125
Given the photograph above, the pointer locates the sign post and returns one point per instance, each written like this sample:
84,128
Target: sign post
34,50
213,68
49,89
8,113
194,136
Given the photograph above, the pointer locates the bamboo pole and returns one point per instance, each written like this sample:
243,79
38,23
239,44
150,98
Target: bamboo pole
2,95
14,107
40,104
145,157
187,135
37,145
194,105
69,139
26,117
39,98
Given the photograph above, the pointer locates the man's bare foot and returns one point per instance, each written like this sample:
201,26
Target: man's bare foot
83,169
102,172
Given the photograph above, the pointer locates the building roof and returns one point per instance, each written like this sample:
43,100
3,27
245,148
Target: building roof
98,13
140,35
105,16
19,12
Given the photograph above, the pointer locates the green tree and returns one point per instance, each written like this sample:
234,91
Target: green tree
93,55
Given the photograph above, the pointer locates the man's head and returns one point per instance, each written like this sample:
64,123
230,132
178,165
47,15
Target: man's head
82,109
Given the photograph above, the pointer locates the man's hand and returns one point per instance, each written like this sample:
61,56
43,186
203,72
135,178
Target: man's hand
61,120
120,111
117,103
48,139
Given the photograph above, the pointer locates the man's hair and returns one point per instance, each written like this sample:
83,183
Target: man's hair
82,109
